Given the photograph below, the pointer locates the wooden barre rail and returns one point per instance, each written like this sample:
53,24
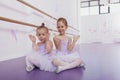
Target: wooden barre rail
37,9
31,6
17,22
24,23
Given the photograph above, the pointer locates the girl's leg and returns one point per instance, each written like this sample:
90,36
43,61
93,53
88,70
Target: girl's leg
29,64
71,65
58,62
31,61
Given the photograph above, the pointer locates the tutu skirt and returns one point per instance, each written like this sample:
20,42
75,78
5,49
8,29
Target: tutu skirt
42,61
68,56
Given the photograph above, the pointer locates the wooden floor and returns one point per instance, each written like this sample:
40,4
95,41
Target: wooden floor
102,63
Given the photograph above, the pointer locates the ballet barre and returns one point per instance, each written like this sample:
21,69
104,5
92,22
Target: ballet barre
25,23
33,7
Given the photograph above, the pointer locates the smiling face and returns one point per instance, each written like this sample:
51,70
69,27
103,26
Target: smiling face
61,26
42,34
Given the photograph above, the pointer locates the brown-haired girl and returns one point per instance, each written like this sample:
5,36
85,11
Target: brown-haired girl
65,58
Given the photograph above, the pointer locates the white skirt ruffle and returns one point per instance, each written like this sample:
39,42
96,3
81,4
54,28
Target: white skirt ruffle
69,57
44,61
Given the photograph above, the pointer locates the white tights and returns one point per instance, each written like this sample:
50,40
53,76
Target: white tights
65,65
32,61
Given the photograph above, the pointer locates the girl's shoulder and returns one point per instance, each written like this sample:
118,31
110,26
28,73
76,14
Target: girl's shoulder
68,37
48,41
39,43
65,38
56,36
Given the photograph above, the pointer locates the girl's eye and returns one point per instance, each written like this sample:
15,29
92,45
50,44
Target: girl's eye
43,34
61,26
39,34
58,27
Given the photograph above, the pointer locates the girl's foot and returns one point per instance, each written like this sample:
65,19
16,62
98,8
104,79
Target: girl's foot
58,69
29,68
82,65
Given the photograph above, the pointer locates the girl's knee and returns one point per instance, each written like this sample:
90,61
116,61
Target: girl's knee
27,57
31,58
79,60
55,61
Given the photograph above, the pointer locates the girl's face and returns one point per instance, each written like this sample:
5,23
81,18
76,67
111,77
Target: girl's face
61,27
42,35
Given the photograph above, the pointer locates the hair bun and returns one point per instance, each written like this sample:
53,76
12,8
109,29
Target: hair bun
42,24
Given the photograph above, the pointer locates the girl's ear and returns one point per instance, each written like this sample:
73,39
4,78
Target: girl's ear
48,33
66,27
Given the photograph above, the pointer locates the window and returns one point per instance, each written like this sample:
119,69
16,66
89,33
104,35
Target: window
96,7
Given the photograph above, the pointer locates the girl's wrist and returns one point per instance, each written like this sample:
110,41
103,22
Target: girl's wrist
74,41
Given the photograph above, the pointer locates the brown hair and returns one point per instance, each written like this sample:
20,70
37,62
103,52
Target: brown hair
43,27
63,20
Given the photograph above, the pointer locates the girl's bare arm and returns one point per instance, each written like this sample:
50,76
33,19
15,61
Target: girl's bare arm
71,43
49,46
34,44
57,43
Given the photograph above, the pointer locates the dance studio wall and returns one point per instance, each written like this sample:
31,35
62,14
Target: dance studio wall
14,41
101,28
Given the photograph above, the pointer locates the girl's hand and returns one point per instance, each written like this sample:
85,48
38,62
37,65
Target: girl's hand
75,38
32,38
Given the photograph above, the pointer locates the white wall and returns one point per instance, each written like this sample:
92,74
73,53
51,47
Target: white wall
100,28
14,40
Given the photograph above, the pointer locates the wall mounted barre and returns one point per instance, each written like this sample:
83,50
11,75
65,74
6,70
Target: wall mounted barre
24,23
31,6
17,22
